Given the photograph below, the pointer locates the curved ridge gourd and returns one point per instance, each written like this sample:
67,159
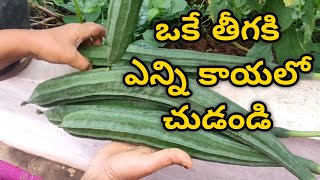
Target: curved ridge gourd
149,118
263,141
121,24
57,114
149,125
95,84
178,57
110,84
102,117
186,59
182,57
161,144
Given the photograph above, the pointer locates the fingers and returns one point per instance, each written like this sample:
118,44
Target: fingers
97,42
92,30
79,62
89,42
165,158
173,156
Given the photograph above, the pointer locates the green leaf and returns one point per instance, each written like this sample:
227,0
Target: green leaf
291,3
308,20
70,19
255,5
240,3
316,62
215,7
291,46
163,4
58,2
101,21
143,22
144,43
93,16
149,36
89,6
261,50
68,6
153,13
316,54
283,13
178,6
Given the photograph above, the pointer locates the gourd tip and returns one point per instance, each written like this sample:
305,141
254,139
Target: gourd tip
39,112
24,103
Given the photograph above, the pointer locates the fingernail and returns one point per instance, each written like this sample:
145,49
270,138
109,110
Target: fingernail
90,67
188,165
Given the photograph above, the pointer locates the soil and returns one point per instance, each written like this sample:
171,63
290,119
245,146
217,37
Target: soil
38,166
44,18
210,46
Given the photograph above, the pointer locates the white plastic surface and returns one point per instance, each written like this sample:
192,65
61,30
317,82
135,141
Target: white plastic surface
294,108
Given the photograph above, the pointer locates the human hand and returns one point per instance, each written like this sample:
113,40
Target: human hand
121,161
59,45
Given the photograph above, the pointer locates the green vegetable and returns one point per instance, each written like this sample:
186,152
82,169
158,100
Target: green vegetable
285,133
142,24
82,11
291,3
102,83
262,141
188,60
147,124
178,57
121,25
159,143
57,114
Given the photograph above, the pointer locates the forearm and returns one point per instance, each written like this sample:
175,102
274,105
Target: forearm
57,45
15,45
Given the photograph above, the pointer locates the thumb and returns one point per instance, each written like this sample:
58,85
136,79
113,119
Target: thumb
80,62
164,158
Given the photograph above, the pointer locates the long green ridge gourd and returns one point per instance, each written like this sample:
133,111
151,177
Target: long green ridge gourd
263,141
159,143
104,83
58,113
285,133
147,123
186,59
130,101
178,57
121,24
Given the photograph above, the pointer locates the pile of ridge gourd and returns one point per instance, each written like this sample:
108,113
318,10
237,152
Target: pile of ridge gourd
96,103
